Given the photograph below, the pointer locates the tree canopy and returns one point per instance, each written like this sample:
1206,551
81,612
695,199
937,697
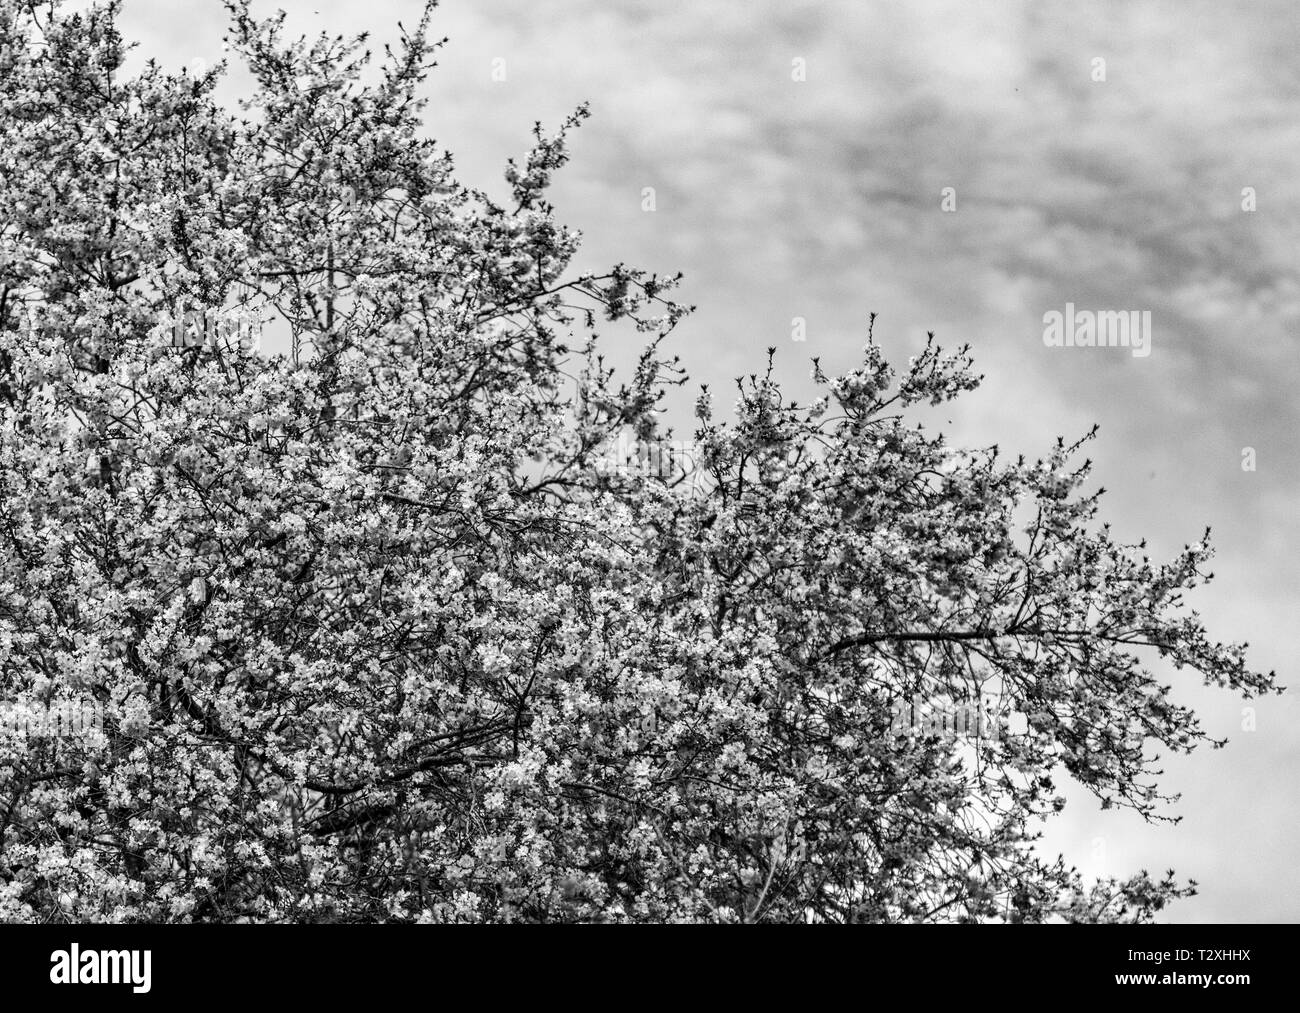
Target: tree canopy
382,628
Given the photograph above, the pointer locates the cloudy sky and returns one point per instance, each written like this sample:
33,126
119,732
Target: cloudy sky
822,198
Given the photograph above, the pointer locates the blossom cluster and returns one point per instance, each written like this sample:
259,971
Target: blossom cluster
377,631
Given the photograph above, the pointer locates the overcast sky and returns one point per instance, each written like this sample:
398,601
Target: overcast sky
822,198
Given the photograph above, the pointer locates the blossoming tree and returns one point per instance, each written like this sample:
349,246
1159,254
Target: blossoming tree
376,631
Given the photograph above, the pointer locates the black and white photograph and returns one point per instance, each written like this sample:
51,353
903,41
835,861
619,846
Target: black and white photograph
518,463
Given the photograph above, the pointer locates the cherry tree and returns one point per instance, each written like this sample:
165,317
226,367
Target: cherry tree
382,626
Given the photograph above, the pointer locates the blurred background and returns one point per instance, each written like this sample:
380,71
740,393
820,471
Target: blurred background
962,167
